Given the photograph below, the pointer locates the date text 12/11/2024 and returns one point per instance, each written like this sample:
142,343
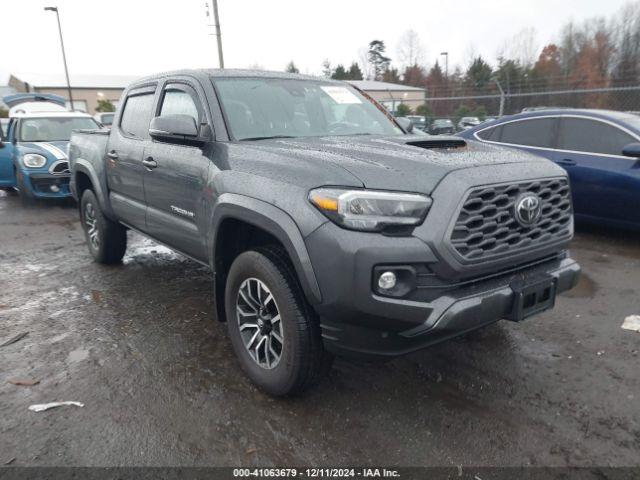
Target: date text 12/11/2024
315,473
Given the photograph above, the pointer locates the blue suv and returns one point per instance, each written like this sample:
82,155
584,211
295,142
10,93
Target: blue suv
33,153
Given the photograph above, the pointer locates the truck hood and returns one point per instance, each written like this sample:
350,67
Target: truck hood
405,163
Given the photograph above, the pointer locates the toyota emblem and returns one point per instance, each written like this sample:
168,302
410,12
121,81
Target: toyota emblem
528,209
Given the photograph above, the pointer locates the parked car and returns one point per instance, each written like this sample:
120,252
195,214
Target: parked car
419,122
599,149
104,118
33,155
442,126
468,122
329,230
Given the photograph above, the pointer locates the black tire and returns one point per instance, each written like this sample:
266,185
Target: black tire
108,241
303,360
26,195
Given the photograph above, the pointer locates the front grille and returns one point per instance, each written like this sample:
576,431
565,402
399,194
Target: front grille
61,167
487,227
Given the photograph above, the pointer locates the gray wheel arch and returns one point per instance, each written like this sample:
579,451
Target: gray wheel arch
87,168
274,221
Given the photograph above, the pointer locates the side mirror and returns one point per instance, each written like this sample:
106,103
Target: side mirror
631,150
405,124
176,127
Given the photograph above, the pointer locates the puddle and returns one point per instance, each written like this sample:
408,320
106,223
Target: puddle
586,288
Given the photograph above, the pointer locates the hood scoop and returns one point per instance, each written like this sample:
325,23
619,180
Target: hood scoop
444,144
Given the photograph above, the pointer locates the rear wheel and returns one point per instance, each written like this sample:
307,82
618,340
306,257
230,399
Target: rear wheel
274,332
107,240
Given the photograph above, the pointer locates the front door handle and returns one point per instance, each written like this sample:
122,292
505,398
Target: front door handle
113,155
150,163
566,162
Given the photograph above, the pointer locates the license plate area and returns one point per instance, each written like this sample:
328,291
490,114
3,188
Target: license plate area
532,296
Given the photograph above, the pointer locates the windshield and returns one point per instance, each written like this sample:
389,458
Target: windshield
442,123
259,108
52,129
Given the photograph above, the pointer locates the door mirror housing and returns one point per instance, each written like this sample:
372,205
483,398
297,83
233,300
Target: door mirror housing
405,124
174,127
631,150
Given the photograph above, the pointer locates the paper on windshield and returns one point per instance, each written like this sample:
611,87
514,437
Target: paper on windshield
341,95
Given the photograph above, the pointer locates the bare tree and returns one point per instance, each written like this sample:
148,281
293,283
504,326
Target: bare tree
410,49
327,71
363,56
522,47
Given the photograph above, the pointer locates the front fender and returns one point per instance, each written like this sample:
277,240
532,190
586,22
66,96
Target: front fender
274,221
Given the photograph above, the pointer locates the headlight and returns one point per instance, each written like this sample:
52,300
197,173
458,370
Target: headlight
33,160
370,210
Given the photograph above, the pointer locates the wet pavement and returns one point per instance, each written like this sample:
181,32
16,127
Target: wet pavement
138,344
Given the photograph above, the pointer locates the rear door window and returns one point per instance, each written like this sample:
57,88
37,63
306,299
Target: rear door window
534,132
592,136
136,115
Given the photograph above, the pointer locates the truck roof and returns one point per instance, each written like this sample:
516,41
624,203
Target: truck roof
232,73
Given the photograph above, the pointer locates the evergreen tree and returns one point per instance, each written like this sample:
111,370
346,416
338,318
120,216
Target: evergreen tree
291,68
377,59
354,72
340,73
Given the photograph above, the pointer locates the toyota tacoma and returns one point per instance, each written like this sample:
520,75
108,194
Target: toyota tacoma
329,228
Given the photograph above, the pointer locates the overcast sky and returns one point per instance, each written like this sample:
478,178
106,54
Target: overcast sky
145,36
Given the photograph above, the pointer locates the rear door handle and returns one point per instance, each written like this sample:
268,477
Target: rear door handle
566,162
112,155
150,163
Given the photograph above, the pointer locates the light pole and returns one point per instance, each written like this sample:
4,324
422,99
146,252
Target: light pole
446,64
64,56
501,112
216,21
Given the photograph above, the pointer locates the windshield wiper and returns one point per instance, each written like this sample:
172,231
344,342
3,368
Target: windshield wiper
267,137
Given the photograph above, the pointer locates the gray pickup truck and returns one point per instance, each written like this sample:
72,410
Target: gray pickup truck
328,227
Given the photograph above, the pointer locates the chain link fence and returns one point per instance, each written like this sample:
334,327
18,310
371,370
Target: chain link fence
454,107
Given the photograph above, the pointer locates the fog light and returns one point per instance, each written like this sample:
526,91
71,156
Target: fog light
54,188
387,281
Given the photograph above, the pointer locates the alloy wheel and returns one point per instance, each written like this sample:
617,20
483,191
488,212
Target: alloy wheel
260,323
91,225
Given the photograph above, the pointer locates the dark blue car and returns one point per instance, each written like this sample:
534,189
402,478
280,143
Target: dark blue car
600,150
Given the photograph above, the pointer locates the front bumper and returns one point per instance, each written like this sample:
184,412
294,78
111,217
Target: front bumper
355,320
45,185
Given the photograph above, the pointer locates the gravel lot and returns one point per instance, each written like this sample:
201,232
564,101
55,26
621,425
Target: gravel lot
139,346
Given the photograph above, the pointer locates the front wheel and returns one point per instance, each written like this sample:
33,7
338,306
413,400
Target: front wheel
107,240
274,332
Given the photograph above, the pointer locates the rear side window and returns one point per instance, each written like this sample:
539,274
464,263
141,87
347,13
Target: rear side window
179,102
591,136
536,132
491,134
137,115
